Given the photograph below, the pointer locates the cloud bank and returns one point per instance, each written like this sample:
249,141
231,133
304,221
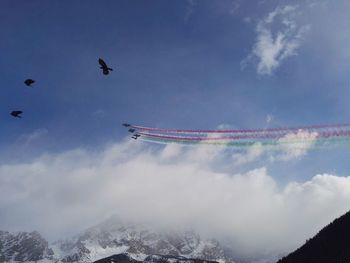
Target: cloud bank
62,194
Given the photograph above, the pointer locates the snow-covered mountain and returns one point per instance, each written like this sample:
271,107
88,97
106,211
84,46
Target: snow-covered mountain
109,238
125,258
139,241
23,247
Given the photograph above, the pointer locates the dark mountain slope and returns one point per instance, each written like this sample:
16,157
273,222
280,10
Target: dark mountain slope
330,245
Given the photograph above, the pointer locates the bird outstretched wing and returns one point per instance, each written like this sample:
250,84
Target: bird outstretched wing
29,82
102,63
16,113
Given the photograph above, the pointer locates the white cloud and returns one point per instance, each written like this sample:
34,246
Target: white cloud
278,37
269,118
295,145
65,193
250,155
225,126
26,139
279,11
189,9
99,114
235,5
247,19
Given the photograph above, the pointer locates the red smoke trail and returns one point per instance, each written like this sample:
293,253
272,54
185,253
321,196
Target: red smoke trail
286,129
321,134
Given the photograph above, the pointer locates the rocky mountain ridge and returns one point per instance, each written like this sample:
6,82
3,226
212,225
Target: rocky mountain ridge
23,247
125,258
110,238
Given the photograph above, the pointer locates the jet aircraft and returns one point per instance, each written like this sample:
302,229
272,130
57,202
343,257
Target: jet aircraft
135,136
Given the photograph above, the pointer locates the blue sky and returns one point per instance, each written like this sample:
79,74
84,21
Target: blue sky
177,64
186,64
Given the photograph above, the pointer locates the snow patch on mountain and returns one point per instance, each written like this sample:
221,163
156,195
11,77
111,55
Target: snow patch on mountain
112,237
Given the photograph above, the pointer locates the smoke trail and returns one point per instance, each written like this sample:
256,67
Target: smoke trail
319,141
286,129
322,134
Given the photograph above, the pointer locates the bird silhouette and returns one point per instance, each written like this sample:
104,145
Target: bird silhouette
16,113
29,82
104,67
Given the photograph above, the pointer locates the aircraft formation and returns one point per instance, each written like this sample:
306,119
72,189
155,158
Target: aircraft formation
321,136
29,82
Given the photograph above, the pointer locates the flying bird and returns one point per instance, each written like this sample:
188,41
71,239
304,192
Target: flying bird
104,67
17,113
29,82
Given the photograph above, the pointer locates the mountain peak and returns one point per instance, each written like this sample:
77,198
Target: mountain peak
139,241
